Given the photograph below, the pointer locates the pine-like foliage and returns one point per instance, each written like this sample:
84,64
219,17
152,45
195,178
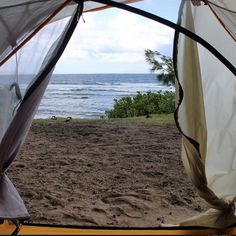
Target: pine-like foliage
161,64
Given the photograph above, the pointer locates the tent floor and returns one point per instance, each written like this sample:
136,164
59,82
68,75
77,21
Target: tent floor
36,229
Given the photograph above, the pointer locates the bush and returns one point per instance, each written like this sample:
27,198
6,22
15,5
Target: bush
143,104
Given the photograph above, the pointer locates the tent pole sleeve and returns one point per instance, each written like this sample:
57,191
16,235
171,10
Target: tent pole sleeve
174,26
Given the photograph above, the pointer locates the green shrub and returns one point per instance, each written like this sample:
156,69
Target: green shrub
143,104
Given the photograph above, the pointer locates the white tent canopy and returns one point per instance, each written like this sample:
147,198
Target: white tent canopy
36,32
207,111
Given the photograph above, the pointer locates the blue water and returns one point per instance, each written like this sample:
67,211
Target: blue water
90,95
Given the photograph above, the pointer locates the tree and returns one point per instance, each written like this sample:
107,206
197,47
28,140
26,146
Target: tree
161,64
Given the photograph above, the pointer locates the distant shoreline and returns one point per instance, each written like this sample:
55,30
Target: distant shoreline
154,119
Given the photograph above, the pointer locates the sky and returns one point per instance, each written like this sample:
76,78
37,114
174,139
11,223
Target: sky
113,41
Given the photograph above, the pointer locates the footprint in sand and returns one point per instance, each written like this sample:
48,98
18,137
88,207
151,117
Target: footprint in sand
80,220
129,204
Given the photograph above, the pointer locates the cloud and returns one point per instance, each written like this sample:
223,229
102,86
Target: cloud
116,36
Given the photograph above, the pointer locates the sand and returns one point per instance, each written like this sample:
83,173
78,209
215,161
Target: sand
104,173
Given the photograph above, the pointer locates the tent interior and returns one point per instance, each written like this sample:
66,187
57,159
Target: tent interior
204,62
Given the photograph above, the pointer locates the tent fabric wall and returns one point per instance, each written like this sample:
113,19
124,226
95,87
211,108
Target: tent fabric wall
8,100
16,132
29,15
207,112
226,14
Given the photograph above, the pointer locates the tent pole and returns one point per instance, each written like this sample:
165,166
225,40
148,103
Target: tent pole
174,26
54,60
26,40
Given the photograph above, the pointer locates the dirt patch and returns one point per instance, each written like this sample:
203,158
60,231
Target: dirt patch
103,173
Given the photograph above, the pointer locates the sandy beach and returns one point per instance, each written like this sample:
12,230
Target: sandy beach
104,173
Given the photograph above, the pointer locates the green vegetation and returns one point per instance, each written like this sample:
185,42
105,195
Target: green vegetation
161,64
143,105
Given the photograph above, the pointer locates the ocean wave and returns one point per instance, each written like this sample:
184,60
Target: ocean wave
90,97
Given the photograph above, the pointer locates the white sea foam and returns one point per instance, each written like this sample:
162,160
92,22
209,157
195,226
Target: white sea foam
89,96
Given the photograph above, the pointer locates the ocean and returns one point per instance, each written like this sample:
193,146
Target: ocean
90,95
